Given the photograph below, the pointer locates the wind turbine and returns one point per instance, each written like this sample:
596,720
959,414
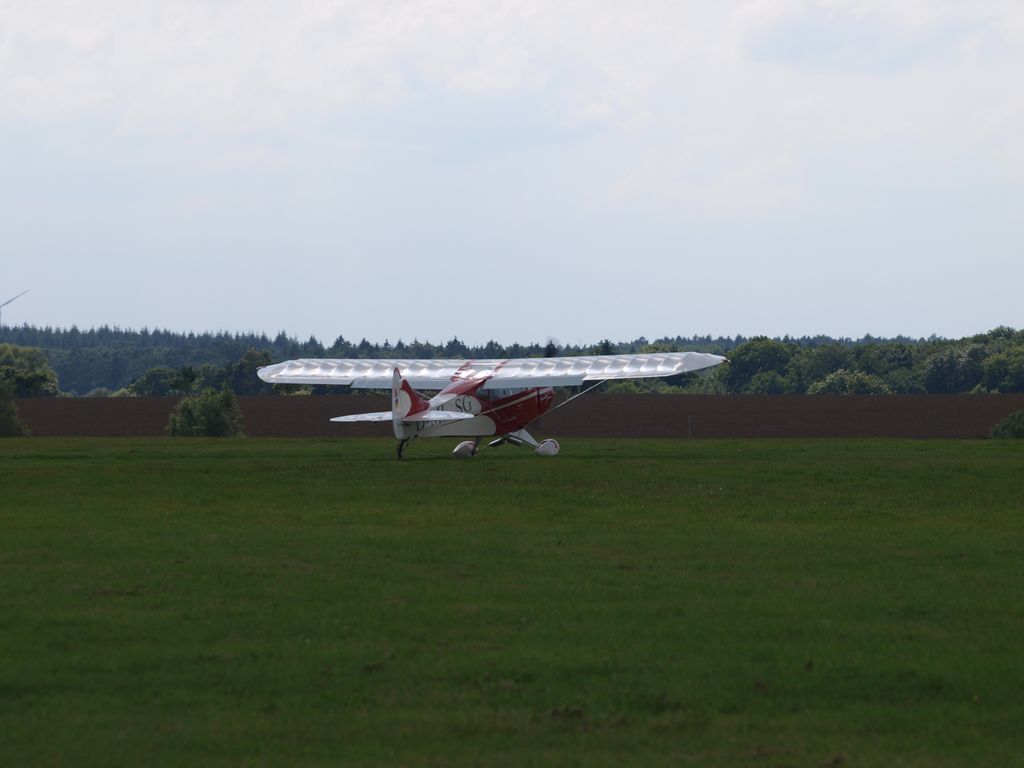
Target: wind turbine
8,302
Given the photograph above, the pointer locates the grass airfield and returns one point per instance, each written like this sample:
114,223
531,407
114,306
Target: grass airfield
747,603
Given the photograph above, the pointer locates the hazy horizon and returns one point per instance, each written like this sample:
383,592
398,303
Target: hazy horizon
472,342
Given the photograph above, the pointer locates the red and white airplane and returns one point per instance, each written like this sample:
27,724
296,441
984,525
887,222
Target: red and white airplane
478,398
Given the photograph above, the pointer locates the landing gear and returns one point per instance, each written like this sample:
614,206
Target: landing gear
467,449
547,447
401,448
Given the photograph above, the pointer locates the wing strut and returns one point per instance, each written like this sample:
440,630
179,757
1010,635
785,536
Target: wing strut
570,399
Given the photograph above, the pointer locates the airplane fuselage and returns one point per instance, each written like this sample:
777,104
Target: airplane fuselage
504,411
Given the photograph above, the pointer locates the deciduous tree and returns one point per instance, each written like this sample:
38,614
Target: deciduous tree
760,355
843,382
10,425
208,414
26,369
1010,427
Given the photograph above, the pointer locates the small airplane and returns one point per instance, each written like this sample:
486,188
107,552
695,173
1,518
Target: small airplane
479,398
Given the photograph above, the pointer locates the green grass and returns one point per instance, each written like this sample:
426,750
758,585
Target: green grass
272,602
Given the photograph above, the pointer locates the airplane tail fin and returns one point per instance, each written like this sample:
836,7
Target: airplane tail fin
405,401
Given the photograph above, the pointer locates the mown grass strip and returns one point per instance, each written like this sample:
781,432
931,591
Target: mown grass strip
662,602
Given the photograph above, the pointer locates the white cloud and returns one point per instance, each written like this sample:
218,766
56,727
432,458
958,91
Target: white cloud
442,129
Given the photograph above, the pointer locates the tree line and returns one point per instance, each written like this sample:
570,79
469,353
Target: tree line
42,362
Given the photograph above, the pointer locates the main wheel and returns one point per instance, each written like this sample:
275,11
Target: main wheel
465,450
549,447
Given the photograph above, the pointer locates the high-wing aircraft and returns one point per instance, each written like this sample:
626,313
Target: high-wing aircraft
478,398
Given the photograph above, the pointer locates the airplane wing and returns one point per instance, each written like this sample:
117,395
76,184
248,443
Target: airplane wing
498,374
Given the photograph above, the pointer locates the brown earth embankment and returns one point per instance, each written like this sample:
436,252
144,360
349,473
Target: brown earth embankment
626,416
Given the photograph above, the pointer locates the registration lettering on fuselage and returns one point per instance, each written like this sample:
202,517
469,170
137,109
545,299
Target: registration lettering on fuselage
463,404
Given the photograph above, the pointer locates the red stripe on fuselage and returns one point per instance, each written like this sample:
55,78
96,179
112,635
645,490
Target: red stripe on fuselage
516,411
460,369
508,413
462,385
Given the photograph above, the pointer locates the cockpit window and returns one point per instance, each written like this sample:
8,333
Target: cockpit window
498,394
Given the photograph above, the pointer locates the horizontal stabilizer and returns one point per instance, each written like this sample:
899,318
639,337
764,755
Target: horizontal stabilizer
421,416
438,416
380,416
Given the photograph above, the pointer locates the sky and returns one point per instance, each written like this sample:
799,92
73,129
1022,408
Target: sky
516,171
